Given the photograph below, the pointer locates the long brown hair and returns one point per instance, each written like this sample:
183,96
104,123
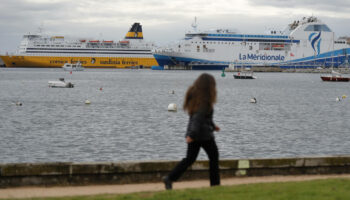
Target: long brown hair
202,94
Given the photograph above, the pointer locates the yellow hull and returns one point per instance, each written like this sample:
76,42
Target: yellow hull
88,62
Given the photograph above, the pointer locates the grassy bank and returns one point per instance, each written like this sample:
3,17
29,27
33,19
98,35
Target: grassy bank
336,189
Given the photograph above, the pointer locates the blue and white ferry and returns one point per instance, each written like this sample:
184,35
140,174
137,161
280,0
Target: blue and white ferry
306,43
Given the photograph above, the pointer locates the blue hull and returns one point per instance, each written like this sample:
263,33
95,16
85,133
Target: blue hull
335,58
195,64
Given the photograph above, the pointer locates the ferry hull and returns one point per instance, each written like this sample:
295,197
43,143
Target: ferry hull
335,58
88,62
194,64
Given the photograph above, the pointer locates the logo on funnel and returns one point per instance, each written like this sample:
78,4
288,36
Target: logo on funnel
315,40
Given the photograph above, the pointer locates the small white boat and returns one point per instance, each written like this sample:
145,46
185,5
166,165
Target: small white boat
244,75
60,84
73,67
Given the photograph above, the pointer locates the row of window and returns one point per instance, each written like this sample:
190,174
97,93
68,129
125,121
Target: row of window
274,42
231,41
56,45
248,36
317,27
87,49
74,52
213,43
339,42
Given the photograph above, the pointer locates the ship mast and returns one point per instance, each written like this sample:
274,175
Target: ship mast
194,24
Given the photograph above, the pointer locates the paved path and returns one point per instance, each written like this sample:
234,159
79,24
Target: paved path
28,192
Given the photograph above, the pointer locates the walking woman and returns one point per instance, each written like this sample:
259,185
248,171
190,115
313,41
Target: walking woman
199,103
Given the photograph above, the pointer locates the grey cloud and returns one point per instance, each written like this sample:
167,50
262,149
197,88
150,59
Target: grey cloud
326,5
164,20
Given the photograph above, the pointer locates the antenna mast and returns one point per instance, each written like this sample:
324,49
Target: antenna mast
194,24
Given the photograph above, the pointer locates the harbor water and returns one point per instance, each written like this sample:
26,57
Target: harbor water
296,114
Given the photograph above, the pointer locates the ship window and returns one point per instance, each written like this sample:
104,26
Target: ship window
318,27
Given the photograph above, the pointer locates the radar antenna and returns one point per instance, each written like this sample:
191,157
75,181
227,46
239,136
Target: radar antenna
194,24
40,28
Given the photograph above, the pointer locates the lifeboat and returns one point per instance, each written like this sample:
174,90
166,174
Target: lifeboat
110,41
278,46
82,40
94,41
124,42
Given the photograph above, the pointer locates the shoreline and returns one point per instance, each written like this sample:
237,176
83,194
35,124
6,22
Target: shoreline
107,173
59,191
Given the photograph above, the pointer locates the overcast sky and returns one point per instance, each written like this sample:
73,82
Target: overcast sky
163,21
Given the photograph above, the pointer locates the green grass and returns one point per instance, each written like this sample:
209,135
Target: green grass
330,189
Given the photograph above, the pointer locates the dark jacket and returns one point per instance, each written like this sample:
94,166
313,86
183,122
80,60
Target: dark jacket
201,126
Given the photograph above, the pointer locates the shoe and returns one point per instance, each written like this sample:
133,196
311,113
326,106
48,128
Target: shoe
168,183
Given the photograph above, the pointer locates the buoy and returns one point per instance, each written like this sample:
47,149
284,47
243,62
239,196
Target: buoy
337,99
223,72
344,96
172,107
100,88
87,102
253,100
18,103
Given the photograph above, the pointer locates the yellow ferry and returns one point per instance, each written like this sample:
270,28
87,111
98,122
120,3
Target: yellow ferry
37,50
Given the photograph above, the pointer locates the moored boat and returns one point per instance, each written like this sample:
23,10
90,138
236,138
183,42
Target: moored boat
335,77
244,75
73,67
60,84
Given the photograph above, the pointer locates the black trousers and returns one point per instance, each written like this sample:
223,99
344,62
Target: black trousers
192,152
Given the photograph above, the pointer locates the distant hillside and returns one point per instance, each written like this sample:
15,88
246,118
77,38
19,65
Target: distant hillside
347,38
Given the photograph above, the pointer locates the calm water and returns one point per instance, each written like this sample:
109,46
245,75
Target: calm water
296,115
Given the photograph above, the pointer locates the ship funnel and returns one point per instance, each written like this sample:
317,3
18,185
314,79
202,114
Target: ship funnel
135,32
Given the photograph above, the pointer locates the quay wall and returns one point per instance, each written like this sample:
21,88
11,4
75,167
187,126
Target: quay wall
2,64
67,173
